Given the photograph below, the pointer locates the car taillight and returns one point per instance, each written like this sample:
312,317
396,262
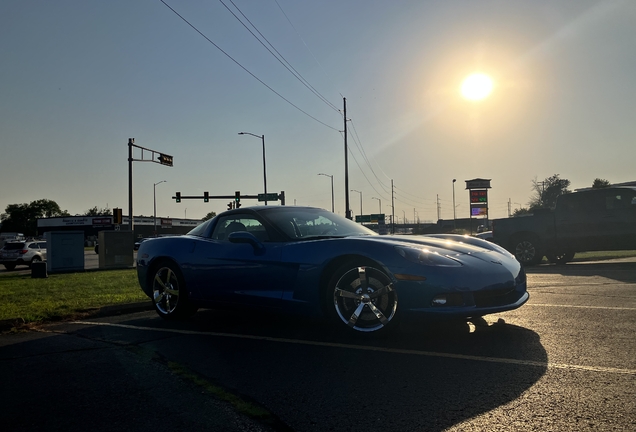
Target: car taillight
23,251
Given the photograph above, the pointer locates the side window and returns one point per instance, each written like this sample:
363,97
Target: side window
229,224
42,245
33,246
619,200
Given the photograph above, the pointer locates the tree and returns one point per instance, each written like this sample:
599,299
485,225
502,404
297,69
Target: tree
547,192
600,183
23,217
209,216
95,211
521,212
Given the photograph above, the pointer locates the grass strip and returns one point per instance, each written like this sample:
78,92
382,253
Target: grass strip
60,296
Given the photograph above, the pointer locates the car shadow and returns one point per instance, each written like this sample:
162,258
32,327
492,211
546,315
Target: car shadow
426,376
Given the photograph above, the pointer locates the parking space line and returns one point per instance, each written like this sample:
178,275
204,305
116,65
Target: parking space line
375,349
581,306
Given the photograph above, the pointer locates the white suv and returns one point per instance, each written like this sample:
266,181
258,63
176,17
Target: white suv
22,253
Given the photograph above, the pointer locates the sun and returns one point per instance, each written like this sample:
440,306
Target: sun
477,86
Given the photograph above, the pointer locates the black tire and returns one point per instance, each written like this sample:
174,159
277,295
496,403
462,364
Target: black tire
362,299
9,267
528,250
169,294
560,258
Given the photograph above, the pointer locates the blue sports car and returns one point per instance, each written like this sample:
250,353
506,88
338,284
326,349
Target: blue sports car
312,261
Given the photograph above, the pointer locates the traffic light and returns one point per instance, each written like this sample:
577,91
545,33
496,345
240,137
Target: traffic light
206,197
117,216
178,197
165,159
237,199
229,205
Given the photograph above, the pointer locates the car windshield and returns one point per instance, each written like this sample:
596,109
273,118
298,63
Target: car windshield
310,223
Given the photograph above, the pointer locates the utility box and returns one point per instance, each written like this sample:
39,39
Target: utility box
115,249
64,251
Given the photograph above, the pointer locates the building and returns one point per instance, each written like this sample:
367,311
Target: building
92,225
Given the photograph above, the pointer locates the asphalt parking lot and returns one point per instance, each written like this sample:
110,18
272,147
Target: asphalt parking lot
564,361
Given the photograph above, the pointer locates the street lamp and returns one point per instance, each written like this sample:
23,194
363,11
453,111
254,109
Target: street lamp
353,190
154,198
262,137
380,204
454,210
327,175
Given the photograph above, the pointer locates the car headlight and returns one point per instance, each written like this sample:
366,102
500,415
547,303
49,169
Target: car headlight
426,257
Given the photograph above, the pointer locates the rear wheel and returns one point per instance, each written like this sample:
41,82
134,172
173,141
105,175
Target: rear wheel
560,258
528,250
34,260
362,298
169,293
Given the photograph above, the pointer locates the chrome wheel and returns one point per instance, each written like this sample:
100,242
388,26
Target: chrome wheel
165,291
364,299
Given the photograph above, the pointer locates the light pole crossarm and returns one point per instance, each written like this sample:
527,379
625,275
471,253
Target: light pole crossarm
332,201
262,137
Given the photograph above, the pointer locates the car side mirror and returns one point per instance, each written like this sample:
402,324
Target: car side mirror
245,237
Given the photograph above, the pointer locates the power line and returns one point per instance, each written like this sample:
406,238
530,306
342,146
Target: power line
278,56
245,69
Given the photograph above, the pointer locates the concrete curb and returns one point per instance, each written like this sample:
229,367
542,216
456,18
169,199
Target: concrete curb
111,310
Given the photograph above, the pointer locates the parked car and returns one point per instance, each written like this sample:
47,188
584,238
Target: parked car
22,253
315,262
139,242
484,235
589,220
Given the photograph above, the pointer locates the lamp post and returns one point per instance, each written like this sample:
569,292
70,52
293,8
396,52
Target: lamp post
154,199
331,176
353,190
454,211
262,137
380,204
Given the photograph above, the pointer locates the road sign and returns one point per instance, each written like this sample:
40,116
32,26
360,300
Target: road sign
268,197
375,218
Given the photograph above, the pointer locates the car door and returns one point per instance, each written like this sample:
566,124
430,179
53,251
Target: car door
577,219
238,272
619,219
42,246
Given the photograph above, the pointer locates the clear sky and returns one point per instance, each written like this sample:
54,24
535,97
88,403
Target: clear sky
78,78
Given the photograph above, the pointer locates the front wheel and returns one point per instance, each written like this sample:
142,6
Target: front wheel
528,250
362,298
169,294
9,267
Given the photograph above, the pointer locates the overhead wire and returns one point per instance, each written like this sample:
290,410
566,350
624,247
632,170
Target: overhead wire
245,69
278,56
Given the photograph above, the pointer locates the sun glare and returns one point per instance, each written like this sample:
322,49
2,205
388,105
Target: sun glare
476,87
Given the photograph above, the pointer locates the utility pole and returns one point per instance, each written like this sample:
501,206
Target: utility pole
131,141
346,150
438,209
509,207
392,209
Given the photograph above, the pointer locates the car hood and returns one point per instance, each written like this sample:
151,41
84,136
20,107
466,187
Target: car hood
444,244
